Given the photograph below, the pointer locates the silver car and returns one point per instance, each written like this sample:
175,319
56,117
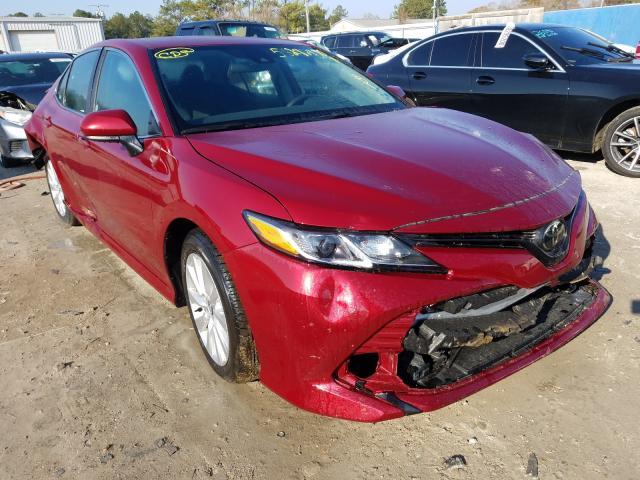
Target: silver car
24,79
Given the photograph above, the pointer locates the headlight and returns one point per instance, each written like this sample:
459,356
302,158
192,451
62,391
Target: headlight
13,115
367,251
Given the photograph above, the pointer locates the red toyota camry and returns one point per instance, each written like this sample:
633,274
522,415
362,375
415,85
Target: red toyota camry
363,259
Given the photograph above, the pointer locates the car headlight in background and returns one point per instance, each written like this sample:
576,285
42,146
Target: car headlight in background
13,115
366,251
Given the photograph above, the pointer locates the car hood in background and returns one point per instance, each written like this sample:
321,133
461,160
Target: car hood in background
415,170
31,93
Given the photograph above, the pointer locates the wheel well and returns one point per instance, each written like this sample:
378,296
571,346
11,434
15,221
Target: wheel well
173,240
610,115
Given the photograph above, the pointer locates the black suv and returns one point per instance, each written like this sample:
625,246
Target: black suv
229,28
570,88
360,47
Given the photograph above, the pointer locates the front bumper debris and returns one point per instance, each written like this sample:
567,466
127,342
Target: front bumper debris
442,350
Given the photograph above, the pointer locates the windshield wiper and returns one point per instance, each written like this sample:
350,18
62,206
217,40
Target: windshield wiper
224,126
612,48
585,51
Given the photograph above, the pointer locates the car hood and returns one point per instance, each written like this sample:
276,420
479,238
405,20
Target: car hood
31,93
415,170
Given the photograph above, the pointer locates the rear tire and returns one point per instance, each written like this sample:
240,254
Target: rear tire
7,162
57,196
621,145
216,312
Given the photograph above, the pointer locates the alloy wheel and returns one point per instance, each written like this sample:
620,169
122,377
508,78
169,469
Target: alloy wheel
207,309
625,145
56,190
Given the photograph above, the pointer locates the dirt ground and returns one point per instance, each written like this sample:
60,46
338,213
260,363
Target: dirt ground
100,377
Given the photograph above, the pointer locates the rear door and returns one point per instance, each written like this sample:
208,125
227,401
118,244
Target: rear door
66,148
440,71
506,90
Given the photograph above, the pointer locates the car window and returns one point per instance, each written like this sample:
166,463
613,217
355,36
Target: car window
451,51
120,88
31,71
239,86
330,42
345,41
510,56
421,56
62,86
79,83
373,40
576,45
207,31
249,30
185,31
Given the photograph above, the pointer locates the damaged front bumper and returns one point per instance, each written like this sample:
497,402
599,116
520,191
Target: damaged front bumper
373,347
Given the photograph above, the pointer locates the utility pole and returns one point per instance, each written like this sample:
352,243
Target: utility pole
435,16
99,11
306,11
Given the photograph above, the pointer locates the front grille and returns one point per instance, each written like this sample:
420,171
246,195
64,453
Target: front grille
530,240
16,145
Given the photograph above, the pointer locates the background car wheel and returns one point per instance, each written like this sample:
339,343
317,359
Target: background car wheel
216,312
57,196
7,162
621,148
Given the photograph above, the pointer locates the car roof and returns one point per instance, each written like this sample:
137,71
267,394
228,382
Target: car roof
209,22
494,26
140,44
8,57
364,32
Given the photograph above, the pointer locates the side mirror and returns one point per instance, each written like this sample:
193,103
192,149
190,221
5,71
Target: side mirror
400,93
397,91
538,61
112,126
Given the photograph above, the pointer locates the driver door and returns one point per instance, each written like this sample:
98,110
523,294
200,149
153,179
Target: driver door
128,186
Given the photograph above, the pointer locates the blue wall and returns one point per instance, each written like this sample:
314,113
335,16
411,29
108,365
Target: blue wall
620,24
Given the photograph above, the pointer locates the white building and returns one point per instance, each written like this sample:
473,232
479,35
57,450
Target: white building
50,34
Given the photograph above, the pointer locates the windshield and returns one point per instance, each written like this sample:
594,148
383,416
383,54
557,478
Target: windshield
579,47
243,86
249,30
17,73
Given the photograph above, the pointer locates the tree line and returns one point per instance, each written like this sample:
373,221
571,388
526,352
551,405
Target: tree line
289,15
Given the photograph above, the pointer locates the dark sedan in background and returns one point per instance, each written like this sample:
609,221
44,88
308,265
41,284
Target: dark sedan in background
568,87
361,47
24,79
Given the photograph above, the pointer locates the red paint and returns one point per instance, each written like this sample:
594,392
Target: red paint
108,123
415,170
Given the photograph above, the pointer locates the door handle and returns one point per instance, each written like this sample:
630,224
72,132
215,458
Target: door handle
47,121
419,76
485,80
353,51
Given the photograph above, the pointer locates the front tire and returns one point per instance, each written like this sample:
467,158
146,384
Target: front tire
621,147
216,311
57,196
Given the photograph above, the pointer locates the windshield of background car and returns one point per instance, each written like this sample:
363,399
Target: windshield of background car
249,30
575,38
243,86
29,72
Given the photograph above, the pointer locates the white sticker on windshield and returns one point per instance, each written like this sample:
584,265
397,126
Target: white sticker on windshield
270,29
60,60
504,36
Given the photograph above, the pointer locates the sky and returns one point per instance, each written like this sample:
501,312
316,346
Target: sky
356,8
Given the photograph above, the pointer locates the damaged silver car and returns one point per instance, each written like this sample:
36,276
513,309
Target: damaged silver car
24,79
